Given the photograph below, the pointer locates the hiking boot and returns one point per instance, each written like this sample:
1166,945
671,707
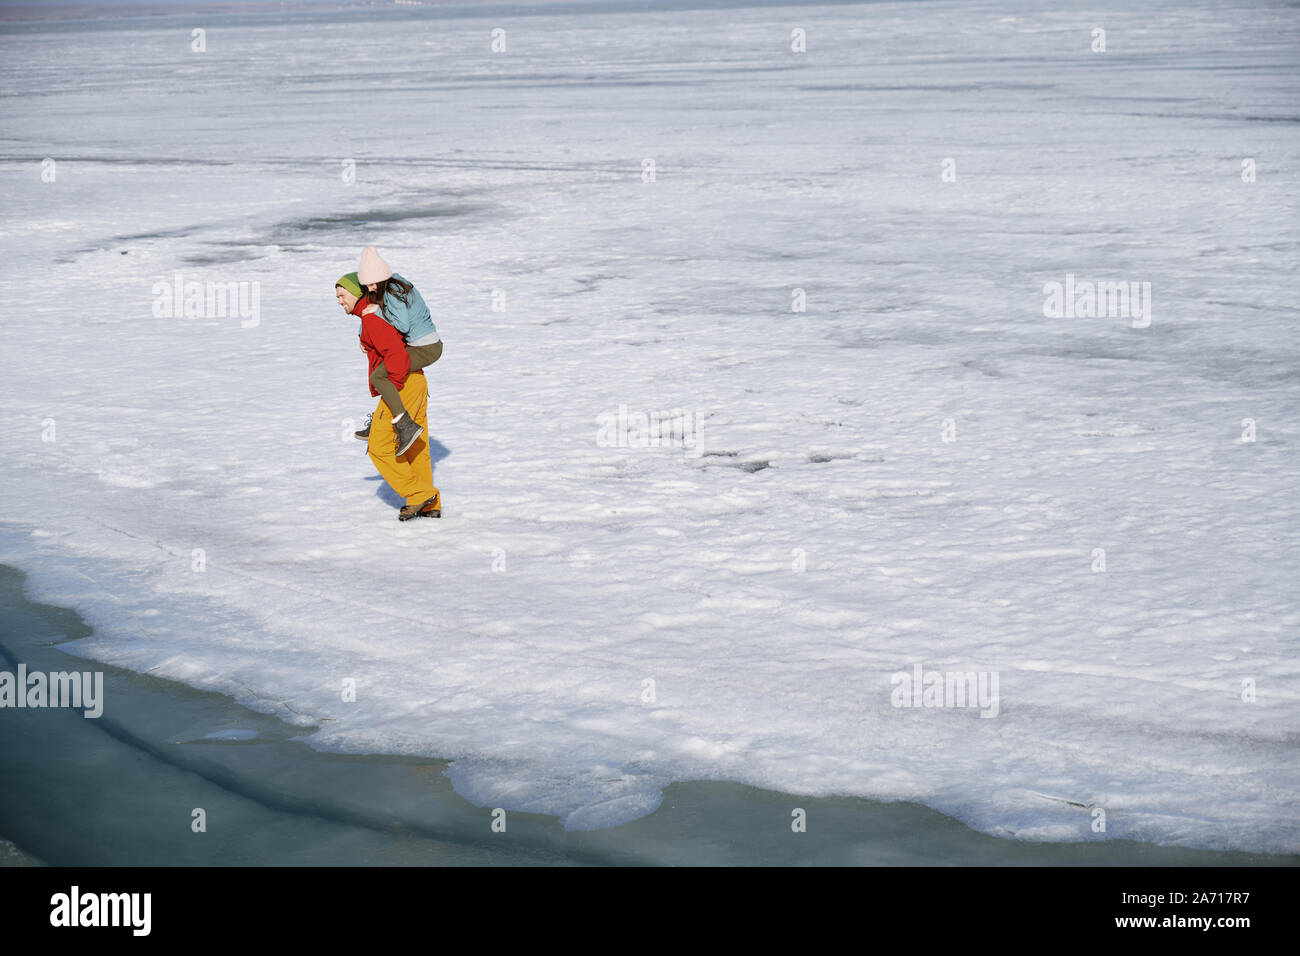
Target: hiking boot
430,509
364,433
407,432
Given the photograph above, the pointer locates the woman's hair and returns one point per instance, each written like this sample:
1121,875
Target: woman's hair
398,288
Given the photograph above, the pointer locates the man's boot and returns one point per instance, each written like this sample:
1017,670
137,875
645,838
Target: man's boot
364,433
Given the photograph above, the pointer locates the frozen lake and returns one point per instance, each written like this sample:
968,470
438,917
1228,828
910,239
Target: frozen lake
121,789
919,469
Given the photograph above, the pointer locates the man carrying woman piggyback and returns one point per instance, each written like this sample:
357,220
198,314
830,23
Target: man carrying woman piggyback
399,338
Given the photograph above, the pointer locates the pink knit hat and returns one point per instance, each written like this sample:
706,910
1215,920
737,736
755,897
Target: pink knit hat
373,268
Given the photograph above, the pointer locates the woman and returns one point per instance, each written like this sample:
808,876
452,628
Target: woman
403,308
409,473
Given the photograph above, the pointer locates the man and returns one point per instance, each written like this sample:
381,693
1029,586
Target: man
410,473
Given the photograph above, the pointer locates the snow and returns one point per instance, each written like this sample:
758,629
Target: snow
825,535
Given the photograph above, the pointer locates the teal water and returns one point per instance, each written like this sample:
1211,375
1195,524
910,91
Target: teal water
121,790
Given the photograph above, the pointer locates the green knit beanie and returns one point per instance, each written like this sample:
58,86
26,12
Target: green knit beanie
350,283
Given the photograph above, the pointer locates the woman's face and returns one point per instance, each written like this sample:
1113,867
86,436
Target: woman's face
373,287
346,299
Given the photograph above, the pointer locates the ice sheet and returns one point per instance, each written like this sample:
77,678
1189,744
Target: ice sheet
828,536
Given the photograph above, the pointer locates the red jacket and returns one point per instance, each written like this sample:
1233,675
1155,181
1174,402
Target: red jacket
382,343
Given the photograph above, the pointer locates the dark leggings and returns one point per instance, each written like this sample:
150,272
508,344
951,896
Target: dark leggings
421,355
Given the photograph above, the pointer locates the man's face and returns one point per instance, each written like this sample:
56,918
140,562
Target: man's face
346,299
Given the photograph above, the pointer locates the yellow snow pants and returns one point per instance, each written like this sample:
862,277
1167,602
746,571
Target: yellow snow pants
411,476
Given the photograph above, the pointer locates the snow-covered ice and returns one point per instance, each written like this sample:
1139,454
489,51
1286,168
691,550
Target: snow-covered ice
921,468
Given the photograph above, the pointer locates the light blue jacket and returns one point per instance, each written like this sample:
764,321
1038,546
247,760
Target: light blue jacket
412,320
